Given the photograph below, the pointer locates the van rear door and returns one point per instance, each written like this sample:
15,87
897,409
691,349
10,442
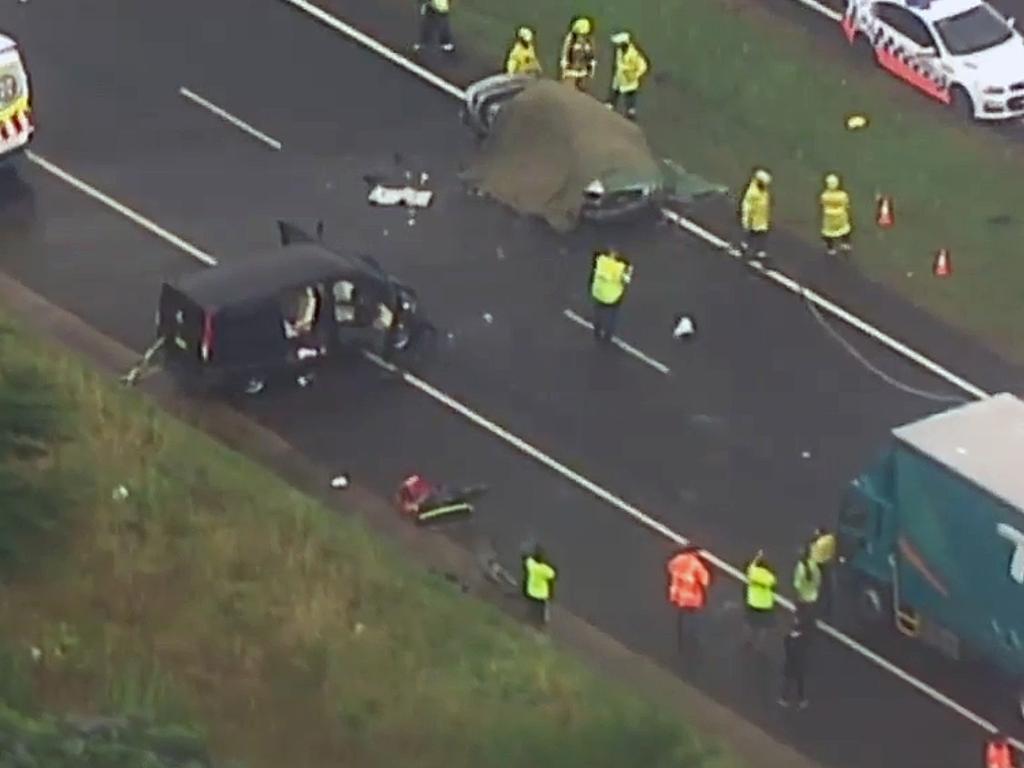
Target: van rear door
16,125
185,327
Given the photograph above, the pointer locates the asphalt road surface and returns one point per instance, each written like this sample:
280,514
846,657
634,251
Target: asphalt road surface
745,443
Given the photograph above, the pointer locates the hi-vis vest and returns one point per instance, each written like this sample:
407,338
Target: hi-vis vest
807,581
997,755
835,213
823,549
539,576
578,58
688,580
756,209
610,276
630,67
760,587
522,60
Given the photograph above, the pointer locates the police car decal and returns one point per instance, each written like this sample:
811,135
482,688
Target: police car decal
952,50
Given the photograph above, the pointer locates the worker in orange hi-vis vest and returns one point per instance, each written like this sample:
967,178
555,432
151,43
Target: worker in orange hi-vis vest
689,580
999,753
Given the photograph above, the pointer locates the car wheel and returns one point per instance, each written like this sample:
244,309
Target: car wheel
961,103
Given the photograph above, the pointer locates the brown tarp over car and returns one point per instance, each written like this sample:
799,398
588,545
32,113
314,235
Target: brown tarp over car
548,144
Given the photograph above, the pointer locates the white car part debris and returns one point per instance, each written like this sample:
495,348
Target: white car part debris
684,327
120,493
407,196
339,482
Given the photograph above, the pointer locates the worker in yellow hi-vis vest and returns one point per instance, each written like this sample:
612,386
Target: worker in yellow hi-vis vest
435,23
522,56
836,226
756,214
609,277
630,67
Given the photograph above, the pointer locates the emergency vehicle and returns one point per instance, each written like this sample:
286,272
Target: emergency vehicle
960,52
16,126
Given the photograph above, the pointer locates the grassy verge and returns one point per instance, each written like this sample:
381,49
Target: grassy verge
733,87
211,592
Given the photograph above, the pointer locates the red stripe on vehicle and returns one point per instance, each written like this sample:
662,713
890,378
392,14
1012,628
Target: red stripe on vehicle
848,28
901,68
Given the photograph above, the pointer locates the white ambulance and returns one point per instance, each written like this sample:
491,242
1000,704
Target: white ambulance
16,126
960,52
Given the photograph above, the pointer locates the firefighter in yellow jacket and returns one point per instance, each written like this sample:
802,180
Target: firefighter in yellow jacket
756,214
522,56
835,216
579,58
630,67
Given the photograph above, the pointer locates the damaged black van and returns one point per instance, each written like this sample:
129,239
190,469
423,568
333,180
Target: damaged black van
283,313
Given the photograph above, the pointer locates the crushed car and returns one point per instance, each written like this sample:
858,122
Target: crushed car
591,164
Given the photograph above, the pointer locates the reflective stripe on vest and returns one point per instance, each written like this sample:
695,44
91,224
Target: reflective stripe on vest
760,587
609,279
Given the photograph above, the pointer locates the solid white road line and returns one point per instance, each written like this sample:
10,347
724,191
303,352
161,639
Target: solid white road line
227,116
629,349
831,307
823,9
438,82
120,208
688,224
531,451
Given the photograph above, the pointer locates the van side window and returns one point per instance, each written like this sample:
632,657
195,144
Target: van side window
344,301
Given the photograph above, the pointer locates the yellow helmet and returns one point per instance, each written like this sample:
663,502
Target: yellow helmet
525,34
621,38
763,176
581,26
831,181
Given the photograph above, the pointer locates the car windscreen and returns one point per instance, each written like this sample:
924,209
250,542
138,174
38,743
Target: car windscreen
974,30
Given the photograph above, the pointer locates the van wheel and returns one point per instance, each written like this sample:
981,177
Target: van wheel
864,51
961,103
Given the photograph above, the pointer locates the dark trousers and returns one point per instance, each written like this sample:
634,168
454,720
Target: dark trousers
755,242
827,591
793,682
628,101
605,319
538,611
435,26
688,622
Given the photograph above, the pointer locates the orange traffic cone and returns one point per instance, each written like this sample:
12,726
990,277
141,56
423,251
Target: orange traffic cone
885,215
943,266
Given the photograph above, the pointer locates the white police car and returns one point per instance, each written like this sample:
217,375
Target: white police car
961,52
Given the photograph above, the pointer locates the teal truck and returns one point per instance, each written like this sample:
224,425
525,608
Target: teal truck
931,538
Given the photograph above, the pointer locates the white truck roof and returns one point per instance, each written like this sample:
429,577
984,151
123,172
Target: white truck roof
982,441
6,42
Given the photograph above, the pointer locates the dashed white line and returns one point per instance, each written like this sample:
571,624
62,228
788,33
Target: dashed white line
531,451
228,117
629,349
453,90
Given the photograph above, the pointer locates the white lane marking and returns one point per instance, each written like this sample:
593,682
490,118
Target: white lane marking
823,9
377,47
832,308
227,116
430,77
688,224
535,453
629,349
120,208
658,527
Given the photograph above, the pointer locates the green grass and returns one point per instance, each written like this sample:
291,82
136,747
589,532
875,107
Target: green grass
215,594
738,88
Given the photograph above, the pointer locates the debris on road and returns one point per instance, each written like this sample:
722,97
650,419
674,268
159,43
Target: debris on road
340,481
684,327
120,493
488,318
856,122
407,196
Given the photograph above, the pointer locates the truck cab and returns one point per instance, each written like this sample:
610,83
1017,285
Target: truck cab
931,537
